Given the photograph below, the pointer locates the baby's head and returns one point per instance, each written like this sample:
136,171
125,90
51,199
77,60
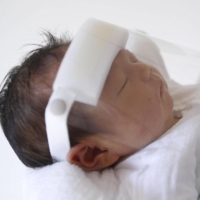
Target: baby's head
134,109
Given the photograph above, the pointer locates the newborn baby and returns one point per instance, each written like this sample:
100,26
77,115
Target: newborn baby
135,108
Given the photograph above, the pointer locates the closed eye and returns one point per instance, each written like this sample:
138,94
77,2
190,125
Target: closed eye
123,86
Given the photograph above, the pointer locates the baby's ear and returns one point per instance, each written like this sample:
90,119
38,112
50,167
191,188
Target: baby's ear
91,158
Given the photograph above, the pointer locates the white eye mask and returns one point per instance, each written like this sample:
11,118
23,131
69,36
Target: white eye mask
81,78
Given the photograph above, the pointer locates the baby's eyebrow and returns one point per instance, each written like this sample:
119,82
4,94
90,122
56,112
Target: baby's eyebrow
123,85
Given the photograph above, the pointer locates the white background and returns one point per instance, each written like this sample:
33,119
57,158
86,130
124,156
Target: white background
21,21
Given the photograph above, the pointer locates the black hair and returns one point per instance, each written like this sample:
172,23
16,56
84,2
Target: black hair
23,98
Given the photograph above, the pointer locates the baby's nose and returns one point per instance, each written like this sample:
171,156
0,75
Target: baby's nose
143,70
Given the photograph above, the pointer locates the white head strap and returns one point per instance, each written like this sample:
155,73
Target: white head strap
81,78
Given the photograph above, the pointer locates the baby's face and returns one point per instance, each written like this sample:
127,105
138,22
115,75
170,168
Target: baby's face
135,107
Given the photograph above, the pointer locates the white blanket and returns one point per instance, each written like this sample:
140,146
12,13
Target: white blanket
164,170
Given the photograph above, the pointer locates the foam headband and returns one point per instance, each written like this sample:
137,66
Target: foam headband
81,77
